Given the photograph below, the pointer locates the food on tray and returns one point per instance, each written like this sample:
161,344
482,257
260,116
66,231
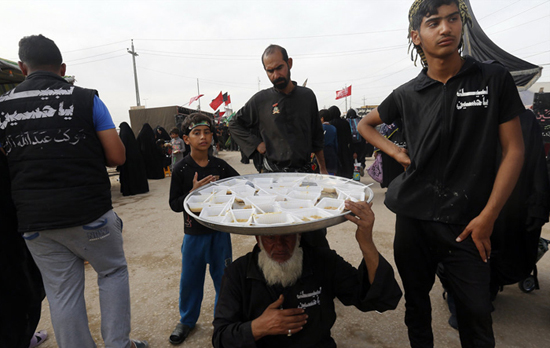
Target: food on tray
274,200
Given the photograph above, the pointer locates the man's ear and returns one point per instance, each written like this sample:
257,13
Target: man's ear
23,68
289,63
62,69
415,37
185,139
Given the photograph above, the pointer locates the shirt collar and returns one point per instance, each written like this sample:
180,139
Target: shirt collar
424,81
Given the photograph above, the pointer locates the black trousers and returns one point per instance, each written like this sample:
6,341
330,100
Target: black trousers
418,247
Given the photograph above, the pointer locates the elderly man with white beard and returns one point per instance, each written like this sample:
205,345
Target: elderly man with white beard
282,293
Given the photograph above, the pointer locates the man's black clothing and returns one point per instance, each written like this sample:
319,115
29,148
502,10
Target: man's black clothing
452,136
47,130
182,183
244,296
514,242
22,290
288,124
343,131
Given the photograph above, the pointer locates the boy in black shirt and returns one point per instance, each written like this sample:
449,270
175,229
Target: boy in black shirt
201,245
454,114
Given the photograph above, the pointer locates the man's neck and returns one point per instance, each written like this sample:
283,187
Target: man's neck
200,157
289,88
442,69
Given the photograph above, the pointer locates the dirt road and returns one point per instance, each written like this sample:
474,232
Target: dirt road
152,241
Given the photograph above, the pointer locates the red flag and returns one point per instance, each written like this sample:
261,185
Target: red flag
215,104
343,93
227,98
195,98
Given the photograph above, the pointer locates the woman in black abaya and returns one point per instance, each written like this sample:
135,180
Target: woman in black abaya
150,152
133,177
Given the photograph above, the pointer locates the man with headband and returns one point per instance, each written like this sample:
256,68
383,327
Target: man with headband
454,114
201,245
282,293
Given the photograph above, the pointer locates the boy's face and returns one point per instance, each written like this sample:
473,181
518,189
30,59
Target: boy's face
173,135
199,138
439,33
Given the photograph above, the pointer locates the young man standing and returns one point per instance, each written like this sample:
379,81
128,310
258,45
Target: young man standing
58,139
454,114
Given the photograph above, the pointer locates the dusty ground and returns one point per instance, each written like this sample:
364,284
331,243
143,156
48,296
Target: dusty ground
152,240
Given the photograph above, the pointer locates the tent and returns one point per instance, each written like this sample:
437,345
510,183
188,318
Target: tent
10,75
478,45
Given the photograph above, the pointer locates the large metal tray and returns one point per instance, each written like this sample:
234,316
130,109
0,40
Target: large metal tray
294,227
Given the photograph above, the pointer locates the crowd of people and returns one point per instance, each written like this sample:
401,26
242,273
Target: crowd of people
458,169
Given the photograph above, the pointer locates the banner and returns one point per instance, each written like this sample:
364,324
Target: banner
215,104
343,93
195,98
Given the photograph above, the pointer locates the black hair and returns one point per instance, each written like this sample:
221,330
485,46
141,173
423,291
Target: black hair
37,51
424,8
325,115
427,8
175,130
195,118
272,49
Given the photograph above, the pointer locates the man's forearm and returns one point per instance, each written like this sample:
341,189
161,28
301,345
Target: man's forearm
320,155
509,169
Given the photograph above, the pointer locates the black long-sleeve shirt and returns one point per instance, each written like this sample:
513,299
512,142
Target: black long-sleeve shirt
289,125
244,296
182,183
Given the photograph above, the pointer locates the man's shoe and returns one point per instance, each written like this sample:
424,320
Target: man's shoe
179,334
140,344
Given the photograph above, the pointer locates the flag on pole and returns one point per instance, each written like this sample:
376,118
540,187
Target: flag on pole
218,115
343,93
195,98
226,98
215,104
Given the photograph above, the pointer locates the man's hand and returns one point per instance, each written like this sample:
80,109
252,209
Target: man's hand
197,183
402,156
481,229
261,148
276,321
364,219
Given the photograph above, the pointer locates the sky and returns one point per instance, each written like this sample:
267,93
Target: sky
211,46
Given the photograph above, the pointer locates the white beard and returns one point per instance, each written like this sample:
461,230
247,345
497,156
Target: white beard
286,273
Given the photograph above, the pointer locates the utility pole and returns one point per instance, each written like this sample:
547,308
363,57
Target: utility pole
258,84
199,93
134,54
364,101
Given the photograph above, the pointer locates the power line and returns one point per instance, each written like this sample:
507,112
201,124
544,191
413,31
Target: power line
519,25
98,60
97,55
517,14
89,48
276,38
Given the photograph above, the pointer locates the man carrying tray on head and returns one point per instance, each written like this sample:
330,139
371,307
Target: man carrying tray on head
282,293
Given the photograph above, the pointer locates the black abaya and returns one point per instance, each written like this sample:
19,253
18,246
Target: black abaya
133,176
150,152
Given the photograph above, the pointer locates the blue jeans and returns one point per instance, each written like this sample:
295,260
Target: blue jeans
60,255
197,251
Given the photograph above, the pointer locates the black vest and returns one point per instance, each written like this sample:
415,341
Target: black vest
56,160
